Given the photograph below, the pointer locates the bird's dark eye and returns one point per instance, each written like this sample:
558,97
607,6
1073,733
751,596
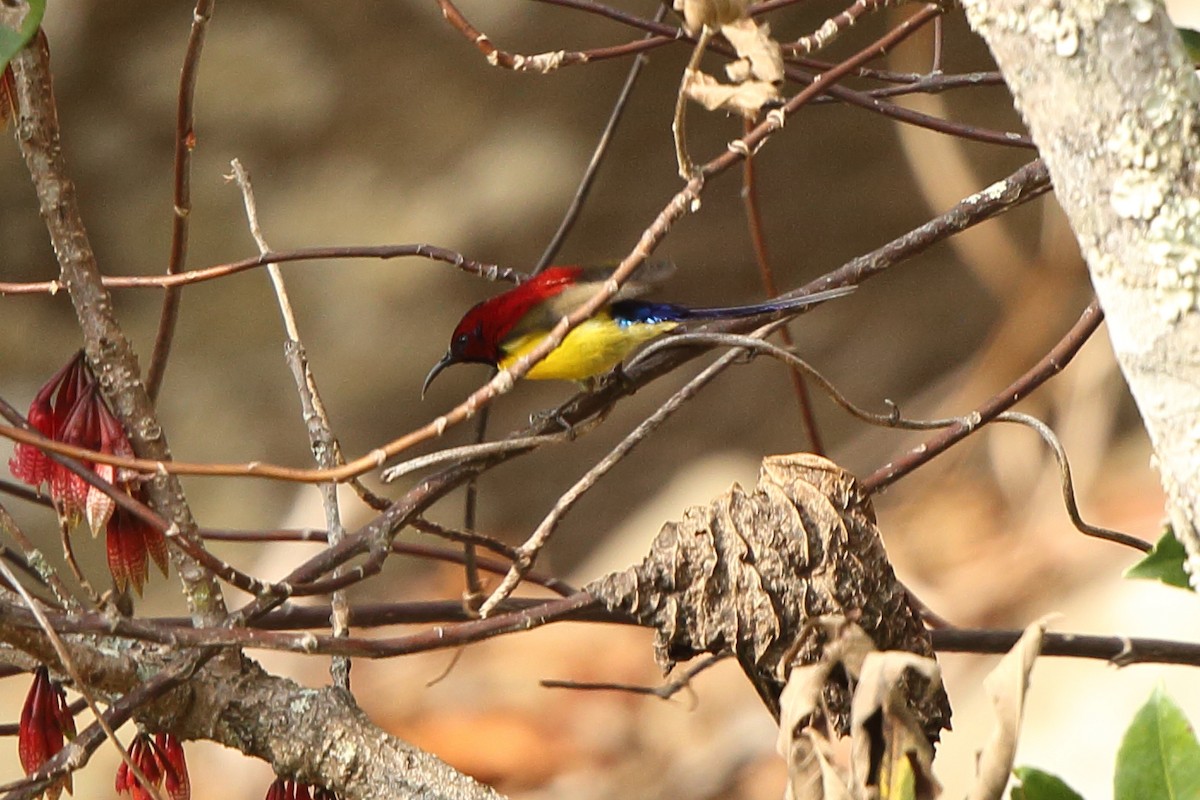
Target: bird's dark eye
462,340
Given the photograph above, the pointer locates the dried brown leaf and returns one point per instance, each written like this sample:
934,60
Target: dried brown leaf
802,740
746,98
1007,684
812,775
754,573
892,757
799,699
759,56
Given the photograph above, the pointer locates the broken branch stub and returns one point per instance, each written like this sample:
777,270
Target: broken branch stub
750,573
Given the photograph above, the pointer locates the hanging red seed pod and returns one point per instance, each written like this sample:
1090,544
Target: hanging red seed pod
45,722
175,771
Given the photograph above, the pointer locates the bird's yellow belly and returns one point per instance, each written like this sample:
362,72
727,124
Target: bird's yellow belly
592,348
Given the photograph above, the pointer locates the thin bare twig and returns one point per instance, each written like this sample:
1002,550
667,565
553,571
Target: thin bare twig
468,451
1121,651
1053,363
894,420
427,551
491,272
321,440
185,142
598,153
1068,488
541,62
64,537
754,345
678,122
473,593
758,241
35,561
935,68
664,691
835,26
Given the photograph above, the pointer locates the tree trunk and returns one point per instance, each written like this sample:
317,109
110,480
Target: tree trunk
1111,100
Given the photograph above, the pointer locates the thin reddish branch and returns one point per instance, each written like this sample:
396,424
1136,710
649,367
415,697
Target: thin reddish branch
526,614
861,99
1053,363
516,616
766,274
835,25
417,550
542,62
491,272
185,142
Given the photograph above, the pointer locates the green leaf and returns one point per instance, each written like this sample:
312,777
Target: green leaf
1159,756
1191,43
1163,563
1033,784
13,39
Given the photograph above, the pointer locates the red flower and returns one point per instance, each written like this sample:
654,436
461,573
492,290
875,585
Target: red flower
29,464
130,539
45,721
70,409
175,773
161,760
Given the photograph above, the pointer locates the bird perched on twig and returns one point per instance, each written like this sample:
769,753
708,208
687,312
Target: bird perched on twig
500,330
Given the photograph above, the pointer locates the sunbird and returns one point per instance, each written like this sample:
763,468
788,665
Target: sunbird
501,329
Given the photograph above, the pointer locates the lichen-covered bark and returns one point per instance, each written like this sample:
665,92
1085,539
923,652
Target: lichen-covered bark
318,736
750,573
1112,102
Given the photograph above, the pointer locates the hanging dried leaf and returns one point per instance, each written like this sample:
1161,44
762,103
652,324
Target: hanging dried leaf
759,56
752,574
746,98
891,754
1006,685
812,774
802,735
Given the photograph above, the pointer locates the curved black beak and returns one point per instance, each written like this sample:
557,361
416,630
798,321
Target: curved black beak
446,361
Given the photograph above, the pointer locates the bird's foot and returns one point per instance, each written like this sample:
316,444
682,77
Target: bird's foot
552,417
617,377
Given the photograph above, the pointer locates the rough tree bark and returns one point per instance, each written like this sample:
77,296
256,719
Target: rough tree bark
1111,100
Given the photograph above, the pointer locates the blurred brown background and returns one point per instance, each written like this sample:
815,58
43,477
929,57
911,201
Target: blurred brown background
376,123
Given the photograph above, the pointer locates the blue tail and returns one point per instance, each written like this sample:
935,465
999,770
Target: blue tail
629,312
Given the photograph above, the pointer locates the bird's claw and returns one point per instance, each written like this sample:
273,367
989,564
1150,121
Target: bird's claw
552,416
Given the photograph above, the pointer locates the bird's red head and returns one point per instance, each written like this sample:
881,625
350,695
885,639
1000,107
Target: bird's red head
479,335
475,339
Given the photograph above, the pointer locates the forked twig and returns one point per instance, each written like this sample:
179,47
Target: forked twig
321,440
664,691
